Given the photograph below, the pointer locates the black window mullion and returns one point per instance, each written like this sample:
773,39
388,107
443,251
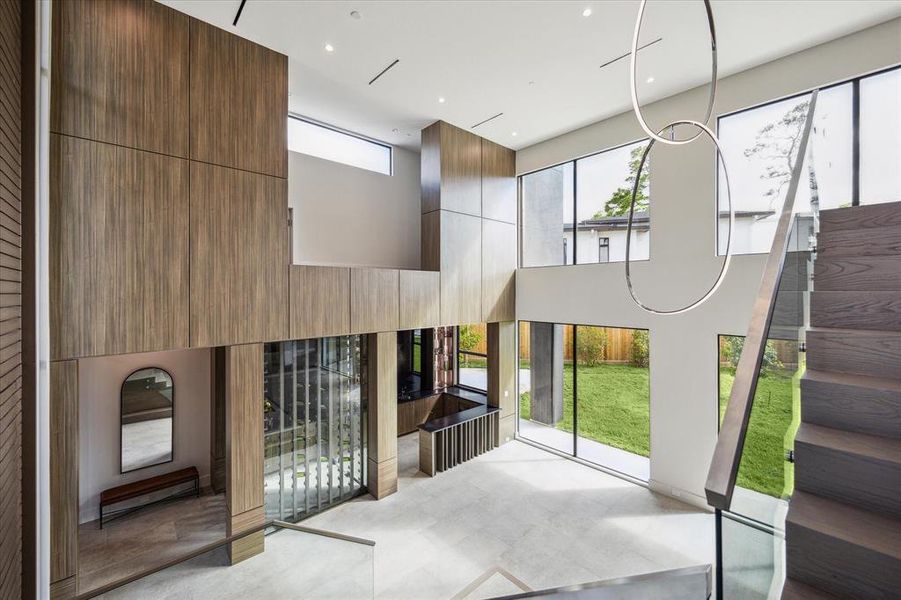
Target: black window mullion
575,356
575,214
855,143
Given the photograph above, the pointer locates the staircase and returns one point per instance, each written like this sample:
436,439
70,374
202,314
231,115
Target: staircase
843,530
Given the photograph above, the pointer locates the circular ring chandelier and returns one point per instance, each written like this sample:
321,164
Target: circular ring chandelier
703,129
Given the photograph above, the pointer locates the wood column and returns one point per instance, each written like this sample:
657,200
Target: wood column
502,364
63,478
244,447
382,390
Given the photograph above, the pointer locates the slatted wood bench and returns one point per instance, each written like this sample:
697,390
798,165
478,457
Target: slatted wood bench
144,487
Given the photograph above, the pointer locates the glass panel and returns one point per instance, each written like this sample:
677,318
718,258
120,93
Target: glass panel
751,560
314,419
613,396
547,217
880,138
472,356
604,192
323,142
546,384
319,566
759,145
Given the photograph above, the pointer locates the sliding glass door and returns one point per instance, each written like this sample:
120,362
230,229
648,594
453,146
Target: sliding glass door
314,418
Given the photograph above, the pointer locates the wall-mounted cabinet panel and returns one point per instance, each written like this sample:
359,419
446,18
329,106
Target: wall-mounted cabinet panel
118,250
244,427
451,169
239,257
461,269
239,102
120,74
430,241
498,271
320,301
420,300
63,470
498,182
373,300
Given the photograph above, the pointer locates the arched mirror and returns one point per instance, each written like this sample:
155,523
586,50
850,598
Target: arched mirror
147,411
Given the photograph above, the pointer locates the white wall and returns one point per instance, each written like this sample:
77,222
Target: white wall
99,382
683,264
349,216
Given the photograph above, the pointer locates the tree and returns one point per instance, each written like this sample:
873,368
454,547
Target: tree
777,144
469,337
618,204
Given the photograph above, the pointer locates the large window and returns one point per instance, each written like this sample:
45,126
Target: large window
332,144
577,212
854,156
586,391
472,356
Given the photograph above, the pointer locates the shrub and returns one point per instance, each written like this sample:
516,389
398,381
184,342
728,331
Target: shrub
640,349
469,337
731,351
590,345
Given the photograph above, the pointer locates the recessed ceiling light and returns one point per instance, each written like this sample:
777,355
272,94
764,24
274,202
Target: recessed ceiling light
650,80
586,12
329,48
441,100
355,14
514,134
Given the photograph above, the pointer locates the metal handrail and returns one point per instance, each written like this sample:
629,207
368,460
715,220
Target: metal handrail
727,454
206,548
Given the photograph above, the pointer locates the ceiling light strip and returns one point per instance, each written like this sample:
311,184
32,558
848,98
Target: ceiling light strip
238,15
486,120
627,54
383,71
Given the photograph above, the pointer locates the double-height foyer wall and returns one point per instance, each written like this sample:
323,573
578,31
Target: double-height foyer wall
683,262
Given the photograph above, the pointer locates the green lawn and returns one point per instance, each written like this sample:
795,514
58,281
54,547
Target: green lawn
763,466
613,410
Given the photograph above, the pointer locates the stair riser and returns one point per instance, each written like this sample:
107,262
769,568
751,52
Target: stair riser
877,241
880,311
866,273
864,410
838,567
874,216
874,355
854,479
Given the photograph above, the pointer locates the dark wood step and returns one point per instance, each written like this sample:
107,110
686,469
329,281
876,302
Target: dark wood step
868,405
874,241
856,310
860,217
862,273
795,590
860,352
842,550
853,468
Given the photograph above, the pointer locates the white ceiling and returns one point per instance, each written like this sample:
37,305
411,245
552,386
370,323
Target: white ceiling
535,62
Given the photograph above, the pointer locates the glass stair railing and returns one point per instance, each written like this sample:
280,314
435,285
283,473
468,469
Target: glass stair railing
750,490
297,562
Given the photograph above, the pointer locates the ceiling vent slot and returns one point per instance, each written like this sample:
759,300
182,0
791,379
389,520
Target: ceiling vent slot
626,55
486,120
383,71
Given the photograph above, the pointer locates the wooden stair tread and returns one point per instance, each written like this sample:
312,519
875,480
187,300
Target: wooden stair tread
861,217
870,446
796,590
858,273
875,310
850,524
874,241
875,353
851,379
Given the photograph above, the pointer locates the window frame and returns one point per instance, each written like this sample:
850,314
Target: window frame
345,132
457,354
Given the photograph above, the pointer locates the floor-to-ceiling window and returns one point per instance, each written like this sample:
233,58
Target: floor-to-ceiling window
472,356
585,391
314,418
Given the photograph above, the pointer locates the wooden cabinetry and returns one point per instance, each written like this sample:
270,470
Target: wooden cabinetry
420,303
120,74
320,301
118,248
239,102
239,257
373,300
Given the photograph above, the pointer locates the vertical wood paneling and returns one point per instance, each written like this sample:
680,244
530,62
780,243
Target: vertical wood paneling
239,257
420,300
118,248
63,470
502,363
244,427
430,232
498,182
430,168
373,300
498,271
461,170
461,268
120,74
239,102
382,365
320,301
11,302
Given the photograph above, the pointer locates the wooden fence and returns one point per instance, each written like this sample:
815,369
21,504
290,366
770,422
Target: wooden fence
618,348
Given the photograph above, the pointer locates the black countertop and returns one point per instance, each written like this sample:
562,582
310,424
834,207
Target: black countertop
464,415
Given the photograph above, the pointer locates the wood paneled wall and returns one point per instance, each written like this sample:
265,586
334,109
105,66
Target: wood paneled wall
419,299
502,361
373,300
166,129
11,200
320,301
498,271
63,473
382,365
498,182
